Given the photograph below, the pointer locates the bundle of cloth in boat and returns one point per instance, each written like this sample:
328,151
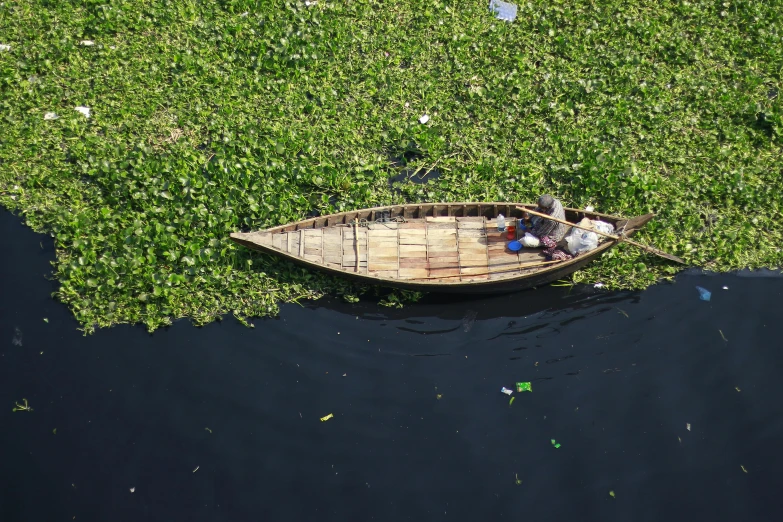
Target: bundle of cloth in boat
582,239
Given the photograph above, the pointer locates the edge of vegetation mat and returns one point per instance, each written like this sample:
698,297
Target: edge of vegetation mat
211,117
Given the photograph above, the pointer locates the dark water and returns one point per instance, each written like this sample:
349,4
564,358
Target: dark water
616,378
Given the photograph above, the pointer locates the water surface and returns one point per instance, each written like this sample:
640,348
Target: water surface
222,423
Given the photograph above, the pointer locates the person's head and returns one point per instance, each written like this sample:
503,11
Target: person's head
546,201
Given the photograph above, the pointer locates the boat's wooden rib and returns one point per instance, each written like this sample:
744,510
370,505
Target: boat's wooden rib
453,247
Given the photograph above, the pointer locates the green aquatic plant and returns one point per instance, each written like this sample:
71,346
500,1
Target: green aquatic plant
211,117
22,407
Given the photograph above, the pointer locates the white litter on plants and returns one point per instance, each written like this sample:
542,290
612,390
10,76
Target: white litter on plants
83,110
424,119
50,116
503,10
87,43
5,47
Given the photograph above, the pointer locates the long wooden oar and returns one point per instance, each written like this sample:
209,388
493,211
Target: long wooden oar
616,238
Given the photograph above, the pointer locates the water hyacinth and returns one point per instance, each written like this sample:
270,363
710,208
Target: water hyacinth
231,125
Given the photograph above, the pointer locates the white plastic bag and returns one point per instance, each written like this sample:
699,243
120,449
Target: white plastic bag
530,241
580,241
603,226
503,10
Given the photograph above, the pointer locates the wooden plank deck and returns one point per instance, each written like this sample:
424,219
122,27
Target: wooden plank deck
442,248
472,248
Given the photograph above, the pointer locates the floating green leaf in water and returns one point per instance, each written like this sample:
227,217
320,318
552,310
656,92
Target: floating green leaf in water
518,480
511,401
22,407
555,443
611,494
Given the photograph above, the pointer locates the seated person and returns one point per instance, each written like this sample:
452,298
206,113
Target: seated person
550,232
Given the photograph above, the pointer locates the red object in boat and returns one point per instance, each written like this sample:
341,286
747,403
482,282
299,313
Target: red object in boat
511,232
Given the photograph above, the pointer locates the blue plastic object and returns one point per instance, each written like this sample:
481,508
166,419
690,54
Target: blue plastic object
515,246
704,294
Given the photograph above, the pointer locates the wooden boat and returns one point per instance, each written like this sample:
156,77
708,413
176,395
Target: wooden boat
445,247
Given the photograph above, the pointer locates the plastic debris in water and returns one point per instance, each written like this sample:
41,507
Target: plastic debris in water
17,340
503,10
704,294
524,386
518,480
598,285
506,390
555,443
424,119
83,110
743,468
327,417
511,401
688,426
725,287
132,490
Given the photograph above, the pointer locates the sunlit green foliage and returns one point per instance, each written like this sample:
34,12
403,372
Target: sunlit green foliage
211,117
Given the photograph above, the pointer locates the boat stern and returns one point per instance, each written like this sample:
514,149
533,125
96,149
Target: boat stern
256,240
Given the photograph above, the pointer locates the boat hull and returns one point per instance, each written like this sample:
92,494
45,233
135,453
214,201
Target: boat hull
449,239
